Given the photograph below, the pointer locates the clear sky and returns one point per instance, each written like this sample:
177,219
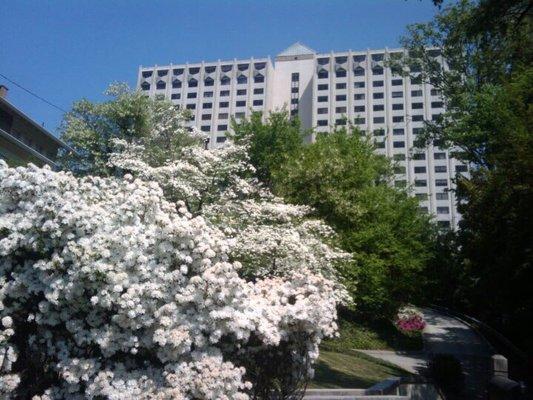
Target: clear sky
65,50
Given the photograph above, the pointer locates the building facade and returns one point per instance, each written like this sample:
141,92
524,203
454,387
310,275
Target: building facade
22,140
324,90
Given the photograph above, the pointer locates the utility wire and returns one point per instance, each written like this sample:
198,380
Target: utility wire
33,94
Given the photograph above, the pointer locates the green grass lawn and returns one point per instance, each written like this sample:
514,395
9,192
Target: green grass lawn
371,336
351,369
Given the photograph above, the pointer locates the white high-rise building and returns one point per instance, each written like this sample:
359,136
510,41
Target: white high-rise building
324,90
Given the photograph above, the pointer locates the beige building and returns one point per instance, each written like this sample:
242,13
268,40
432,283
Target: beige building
325,90
22,140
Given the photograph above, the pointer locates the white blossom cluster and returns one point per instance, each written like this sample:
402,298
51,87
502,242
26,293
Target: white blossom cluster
124,293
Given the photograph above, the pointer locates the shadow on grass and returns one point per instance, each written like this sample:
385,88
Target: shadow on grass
351,369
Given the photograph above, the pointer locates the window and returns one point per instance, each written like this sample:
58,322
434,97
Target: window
379,132
359,58
399,157
441,182
443,210
421,196
242,79
399,169
145,86
222,127
398,145
206,117
221,139
209,81
417,106
162,72
359,109
322,74
191,106
175,96
208,94
379,120
416,93
294,112
223,104
176,84
435,117
295,89
437,104
340,121
259,78
441,168
322,99
359,71
398,106
421,183
242,67
322,111
205,128
359,121
439,156
340,73
341,59
340,97
207,106
435,92
323,61
225,80
396,95
193,83
419,156
323,86
380,145
340,86
241,92
210,69
191,95
400,183
420,170
397,118
147,74
359,96
359,85
241,103
398,131
378,107
226,68
224,93
417,131
194,70
377,95
417,118
177,71
340,110
397,82
442,196
461,168
160,85
259,91
377,71
239,115
322,122
377,84
223,116
258,102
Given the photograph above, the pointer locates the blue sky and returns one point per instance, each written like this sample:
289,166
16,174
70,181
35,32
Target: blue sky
65,50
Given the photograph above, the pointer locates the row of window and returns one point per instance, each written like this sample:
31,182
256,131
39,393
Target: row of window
374,57
207,69
360,71
177,84
361,120
223,93
224,104
378,96
439,196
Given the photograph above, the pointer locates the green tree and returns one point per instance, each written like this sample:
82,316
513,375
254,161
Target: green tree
349,185
487,90
90,128
270,142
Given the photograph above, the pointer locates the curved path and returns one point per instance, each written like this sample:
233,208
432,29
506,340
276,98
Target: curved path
445,334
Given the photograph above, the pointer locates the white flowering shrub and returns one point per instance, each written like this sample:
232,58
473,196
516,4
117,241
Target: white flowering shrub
109,290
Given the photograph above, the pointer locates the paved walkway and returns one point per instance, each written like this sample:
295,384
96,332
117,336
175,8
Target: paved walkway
444,334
